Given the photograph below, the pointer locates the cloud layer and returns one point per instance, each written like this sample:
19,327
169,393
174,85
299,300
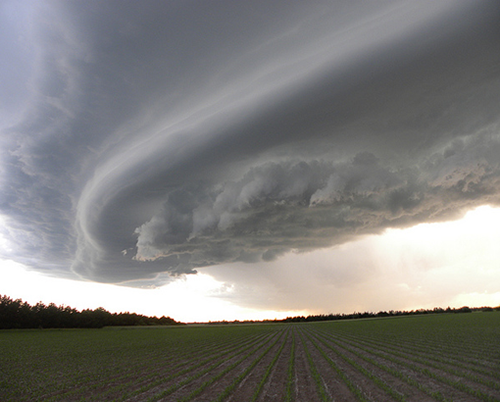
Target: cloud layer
143,140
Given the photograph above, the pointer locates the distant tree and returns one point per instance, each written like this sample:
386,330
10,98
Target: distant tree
18,314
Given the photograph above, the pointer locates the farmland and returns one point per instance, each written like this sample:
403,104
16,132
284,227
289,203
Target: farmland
440,357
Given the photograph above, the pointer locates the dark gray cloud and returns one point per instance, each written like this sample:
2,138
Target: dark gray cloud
149,137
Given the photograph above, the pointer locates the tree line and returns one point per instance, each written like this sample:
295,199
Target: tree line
391,313
19,314
357,315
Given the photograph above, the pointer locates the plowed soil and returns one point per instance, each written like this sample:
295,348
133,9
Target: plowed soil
282,362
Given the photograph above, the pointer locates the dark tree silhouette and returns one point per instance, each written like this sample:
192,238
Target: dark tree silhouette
19,314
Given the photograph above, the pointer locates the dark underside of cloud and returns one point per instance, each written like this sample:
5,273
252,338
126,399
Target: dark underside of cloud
143,138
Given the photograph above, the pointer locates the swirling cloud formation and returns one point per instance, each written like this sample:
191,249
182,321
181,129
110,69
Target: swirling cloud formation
141,138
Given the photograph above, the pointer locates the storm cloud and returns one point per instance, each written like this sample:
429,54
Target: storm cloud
143,140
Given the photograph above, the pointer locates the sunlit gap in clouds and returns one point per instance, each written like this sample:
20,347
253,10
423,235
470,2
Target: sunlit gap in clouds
453,263
429,265
438,264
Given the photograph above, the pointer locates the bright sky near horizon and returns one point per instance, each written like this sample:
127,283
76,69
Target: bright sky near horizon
249,160
429,265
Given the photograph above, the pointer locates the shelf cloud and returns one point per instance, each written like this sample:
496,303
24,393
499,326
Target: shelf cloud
144,140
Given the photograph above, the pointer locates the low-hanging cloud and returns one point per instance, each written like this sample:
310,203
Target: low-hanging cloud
158,138
278,207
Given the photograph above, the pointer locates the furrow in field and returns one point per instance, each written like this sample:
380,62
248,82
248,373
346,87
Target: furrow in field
456,357
438,351
164,387
247,379
322,390
407,386
467,346
99,371
474,391
450,342
140,375
257,384
221,375
365,382
291,382
413,359
108,386
484,383
281,382
341,385
305,386
453,361
138,386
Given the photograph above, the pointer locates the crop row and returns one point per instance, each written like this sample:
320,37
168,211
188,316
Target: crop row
358,354
398,359
438,382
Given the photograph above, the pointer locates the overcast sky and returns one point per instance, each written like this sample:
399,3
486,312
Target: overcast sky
262,144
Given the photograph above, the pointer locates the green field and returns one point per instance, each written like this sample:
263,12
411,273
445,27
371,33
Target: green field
430,357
